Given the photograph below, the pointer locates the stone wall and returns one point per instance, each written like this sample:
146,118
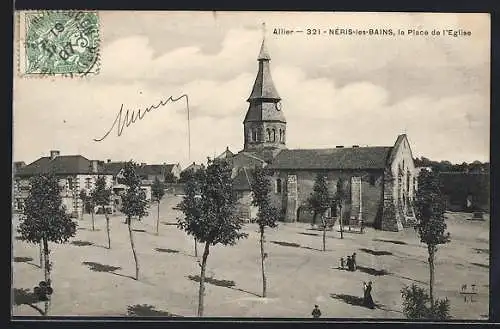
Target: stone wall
371,182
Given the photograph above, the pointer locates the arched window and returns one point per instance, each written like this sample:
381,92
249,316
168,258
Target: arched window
254,135
268,135
259,134
281,135
278,186
274,135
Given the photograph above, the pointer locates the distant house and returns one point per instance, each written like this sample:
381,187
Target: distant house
147,174
75,173
193,167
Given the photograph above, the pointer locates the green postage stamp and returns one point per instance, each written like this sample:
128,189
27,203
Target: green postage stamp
58,43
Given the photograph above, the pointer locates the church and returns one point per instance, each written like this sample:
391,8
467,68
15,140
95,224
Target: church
379,181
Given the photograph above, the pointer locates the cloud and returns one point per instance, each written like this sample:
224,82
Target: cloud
448,119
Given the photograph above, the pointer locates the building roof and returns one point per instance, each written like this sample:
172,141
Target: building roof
263,87
227,154
114,167
242,180
193,167
62,165
142,169
333,158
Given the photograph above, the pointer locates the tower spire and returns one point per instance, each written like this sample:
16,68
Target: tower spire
263,54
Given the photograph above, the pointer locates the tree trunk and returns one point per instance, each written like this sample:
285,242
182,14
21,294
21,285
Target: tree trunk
341,224
133,249
314,218
158,220
202,279
93,224
195,248
41,254
46,271
107,230
431,274
46,308
263,257
324,233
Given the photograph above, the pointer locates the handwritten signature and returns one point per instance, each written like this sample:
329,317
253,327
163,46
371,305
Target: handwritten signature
122,121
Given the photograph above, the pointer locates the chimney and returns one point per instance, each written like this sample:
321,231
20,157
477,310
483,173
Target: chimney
109,160
227,148
355,146
339,146
54,154
94,166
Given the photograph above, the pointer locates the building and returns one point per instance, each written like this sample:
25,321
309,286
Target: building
75,173
147,173
380,181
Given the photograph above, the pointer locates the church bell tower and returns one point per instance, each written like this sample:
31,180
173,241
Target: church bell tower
264,124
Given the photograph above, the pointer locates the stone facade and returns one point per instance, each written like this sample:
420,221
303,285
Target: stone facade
293,202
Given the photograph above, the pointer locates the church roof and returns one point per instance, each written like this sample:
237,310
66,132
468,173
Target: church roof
333,159
263,87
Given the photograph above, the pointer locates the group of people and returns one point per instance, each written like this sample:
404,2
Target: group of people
349,264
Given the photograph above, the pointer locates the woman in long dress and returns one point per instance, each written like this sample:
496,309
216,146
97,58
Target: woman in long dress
368,296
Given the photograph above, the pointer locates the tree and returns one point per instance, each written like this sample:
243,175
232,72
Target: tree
134,204
216,222
101,198
186,175
267,215
320,201
45,219
170,178
88,202
430,208
157,192
417,305
338,200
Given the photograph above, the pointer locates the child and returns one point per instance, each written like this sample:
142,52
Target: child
316,313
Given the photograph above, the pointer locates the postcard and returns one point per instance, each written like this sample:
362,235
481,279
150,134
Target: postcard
330,165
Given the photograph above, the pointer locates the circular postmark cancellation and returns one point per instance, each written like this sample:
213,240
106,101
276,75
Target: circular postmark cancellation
60,43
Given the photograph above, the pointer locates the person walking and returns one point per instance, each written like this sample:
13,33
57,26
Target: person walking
368,299
349,264
353,257
316,313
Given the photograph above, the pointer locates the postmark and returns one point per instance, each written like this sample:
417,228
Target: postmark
58,43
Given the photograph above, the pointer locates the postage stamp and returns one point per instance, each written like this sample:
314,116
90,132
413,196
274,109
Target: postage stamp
63,43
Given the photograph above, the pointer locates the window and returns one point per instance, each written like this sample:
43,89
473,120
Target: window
281,135
278,186
70,183
259,134
268,135
88,183
283,140
372,180
274,135
254,135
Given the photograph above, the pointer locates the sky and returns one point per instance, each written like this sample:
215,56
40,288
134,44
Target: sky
335,90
